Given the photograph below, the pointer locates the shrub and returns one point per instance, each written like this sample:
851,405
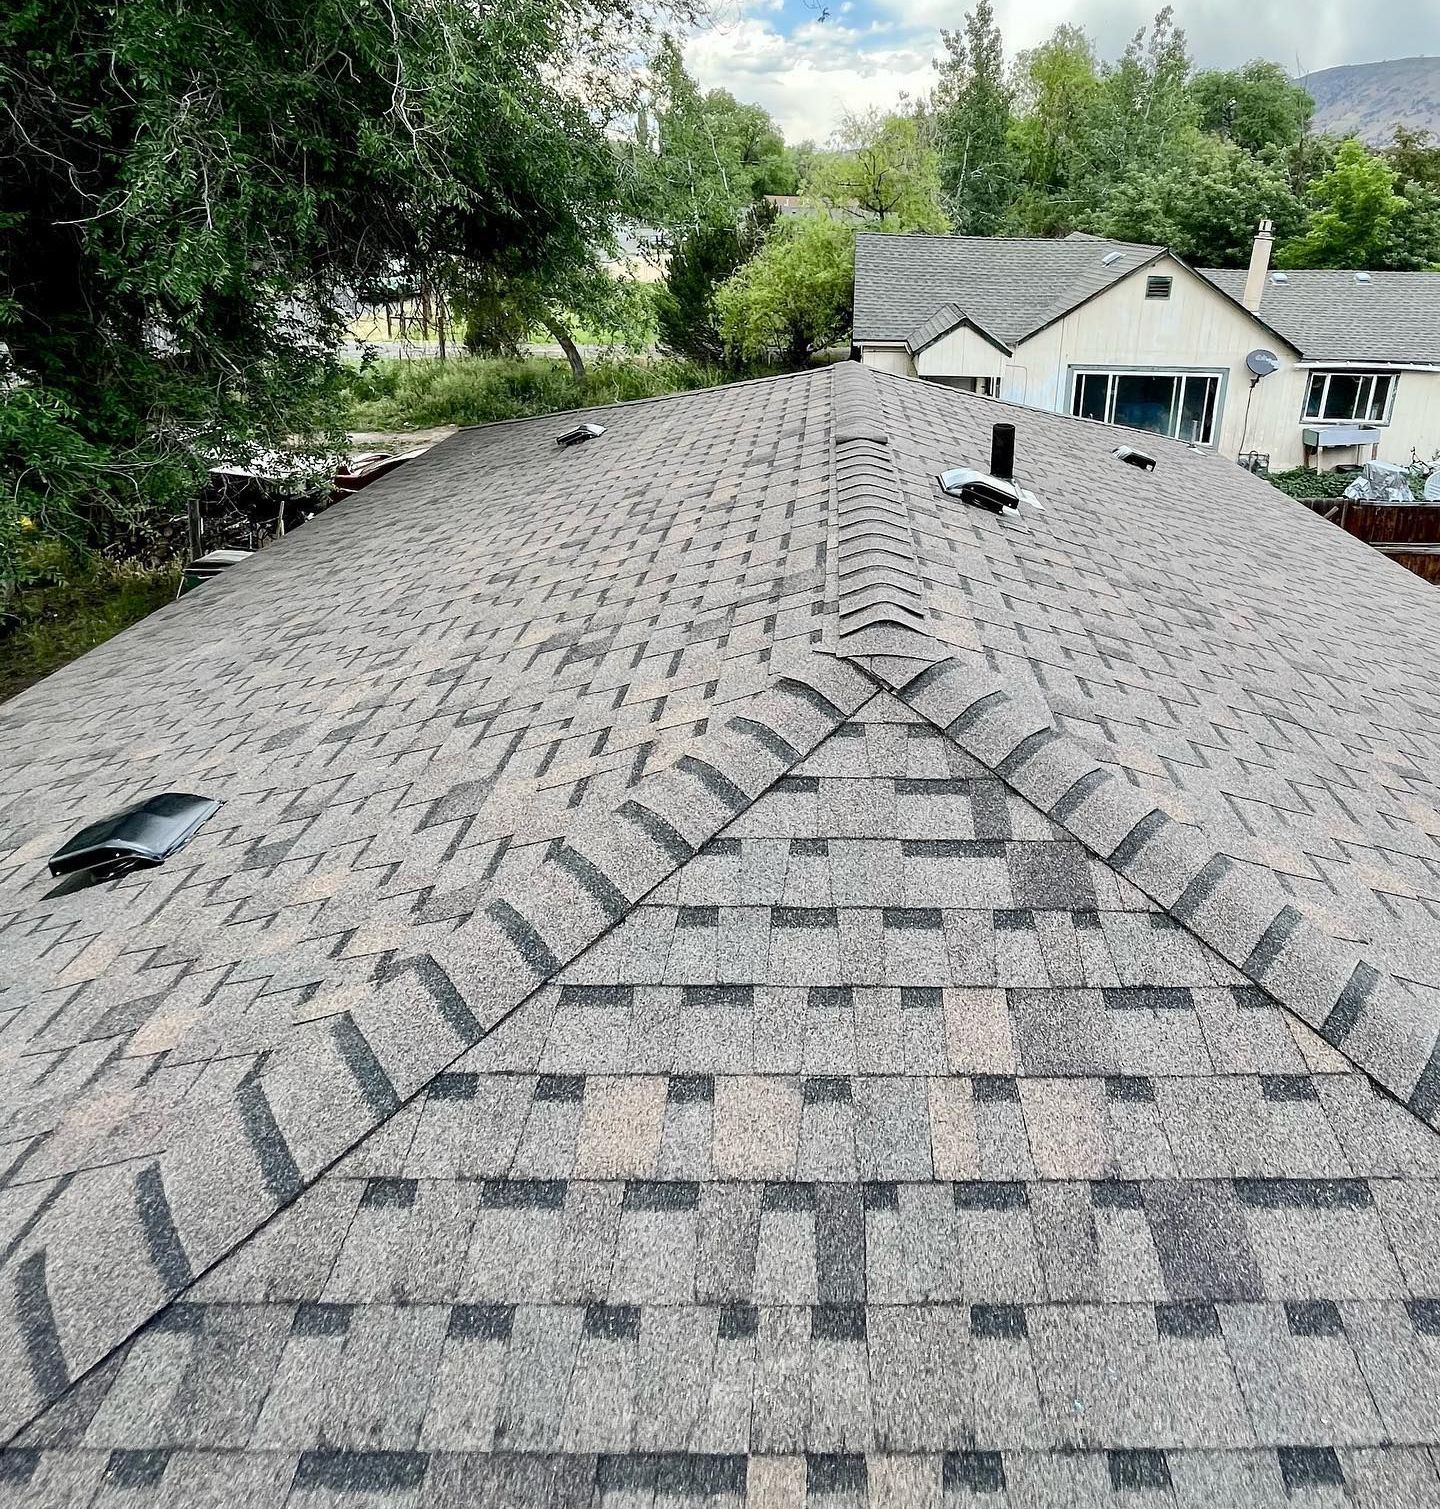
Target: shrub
1301,482
794,297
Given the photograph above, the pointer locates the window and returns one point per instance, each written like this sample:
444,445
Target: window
1157,288
1351,397
1182,405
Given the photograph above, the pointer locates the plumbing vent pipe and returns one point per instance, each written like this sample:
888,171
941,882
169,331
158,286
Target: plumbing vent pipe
1002,452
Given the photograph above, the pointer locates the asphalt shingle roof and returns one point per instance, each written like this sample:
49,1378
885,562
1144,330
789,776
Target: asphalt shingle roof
1010,287
1329,316
727,976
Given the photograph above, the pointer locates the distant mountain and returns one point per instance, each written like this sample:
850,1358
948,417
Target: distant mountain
1368,100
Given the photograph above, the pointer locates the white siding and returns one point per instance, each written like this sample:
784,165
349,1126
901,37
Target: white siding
894,359
1277,420
962,353
1196,328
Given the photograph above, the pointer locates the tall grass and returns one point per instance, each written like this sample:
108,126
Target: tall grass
478,390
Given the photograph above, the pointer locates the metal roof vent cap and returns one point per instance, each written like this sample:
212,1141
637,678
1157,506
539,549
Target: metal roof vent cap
1111,258
1279,277
995,490
1362,277
137,837
579,434
1131,457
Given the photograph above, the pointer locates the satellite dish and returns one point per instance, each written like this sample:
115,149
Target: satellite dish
1262,362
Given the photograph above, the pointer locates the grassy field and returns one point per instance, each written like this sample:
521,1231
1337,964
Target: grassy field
394,395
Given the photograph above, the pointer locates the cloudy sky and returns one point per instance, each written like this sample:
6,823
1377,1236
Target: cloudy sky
806,71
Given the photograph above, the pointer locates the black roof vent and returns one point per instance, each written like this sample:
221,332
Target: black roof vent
580,433
143,835
1131,457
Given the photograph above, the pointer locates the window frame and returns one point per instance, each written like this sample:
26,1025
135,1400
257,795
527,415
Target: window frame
1180,376
1367,377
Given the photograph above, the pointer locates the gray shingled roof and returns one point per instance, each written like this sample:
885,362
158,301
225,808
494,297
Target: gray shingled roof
1329,316
726,976
1010,287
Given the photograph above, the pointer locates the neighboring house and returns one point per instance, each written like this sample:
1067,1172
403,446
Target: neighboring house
727,976
1131,335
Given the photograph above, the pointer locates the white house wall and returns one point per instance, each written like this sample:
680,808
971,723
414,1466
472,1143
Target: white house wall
894,359
962,353
1415,419
1195,329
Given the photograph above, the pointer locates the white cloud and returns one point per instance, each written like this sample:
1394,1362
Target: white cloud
810,78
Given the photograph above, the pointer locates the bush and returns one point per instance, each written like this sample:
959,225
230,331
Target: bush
1301,482
477,390
794,298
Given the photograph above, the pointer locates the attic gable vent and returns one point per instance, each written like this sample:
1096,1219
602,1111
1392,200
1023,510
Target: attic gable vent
144,835
1111,258
1157,286
580,433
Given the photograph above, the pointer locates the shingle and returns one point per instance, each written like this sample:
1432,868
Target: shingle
1330,317
900,286
560,1243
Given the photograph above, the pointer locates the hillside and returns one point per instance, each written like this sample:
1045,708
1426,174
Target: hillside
1368,99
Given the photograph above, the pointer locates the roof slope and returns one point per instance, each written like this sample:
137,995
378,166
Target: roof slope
1329,316
906,1078
1010,287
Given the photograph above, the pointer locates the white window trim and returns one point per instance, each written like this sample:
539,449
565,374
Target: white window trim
1177,403
1370,373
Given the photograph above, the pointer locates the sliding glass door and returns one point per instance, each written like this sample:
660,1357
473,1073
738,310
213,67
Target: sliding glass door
1182,405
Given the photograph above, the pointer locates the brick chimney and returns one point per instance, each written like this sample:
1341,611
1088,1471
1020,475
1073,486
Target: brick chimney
1259,266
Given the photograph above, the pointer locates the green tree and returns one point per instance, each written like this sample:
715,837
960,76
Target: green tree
1256,106
700,158
886,169
1052,139
1354,215
794,297
685,303
194,193
1144,107
500,316
1205,204
1415,157
972,125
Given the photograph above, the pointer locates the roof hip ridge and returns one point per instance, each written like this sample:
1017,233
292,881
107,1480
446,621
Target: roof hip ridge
882,619
1237,909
